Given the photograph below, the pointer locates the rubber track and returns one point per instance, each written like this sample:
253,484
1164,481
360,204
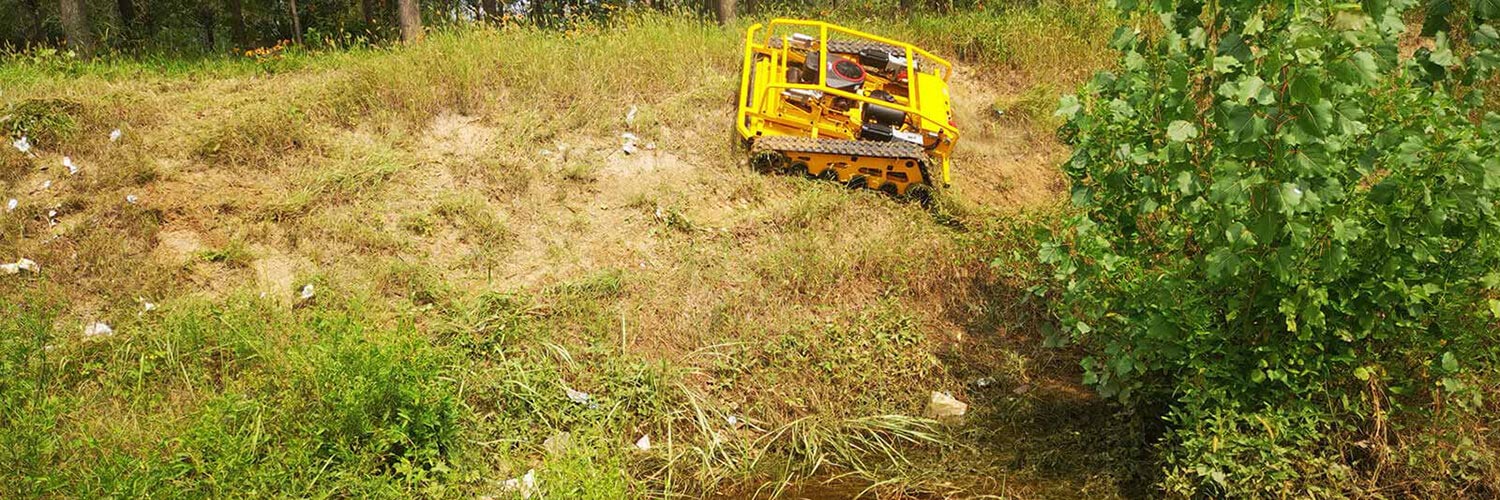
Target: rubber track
876,149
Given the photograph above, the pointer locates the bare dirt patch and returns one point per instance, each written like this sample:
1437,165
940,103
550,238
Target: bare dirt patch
456,135
177,246
275,276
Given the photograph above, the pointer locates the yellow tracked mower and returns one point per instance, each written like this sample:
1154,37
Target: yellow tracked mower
825,101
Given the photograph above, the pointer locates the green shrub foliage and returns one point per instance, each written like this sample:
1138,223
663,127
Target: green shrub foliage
1286,232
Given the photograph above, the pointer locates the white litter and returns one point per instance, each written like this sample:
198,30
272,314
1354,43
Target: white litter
22,145
11,205
307,291
51,218
97,329
68,162
9,269
644,443
629,146
733,421
46,184
579,397
557,444
945,406
651,146
114,135
131,199
146,305
630,116
525,485
28,265
984,382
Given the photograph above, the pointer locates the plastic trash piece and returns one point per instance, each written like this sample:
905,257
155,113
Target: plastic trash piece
10,206
629,147
307,292
28,265
525,485
97,329
578,397
114,135
131,199
557,444
68,162
944,406
644,443
22,145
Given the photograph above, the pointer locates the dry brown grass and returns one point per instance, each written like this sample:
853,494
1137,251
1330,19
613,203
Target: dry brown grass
420,177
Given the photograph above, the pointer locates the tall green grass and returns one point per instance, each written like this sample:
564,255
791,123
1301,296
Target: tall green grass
247,397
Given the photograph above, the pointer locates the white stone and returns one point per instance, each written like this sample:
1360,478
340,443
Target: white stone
524,485
97,329
945,406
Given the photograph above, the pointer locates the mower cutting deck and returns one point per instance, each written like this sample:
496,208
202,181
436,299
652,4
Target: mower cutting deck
830,102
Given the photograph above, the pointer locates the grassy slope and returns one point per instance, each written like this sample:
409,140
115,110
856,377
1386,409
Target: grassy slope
477,244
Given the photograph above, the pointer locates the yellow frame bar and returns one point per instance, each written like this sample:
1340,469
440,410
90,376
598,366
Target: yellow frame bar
751,48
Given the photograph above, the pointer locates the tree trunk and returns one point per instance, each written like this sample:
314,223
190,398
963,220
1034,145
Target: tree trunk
367,11
34,32
491,10
296,24
127,17
723,11
410,16
76,27
206,20
236,10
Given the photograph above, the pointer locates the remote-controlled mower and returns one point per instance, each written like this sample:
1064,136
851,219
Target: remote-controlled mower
829,102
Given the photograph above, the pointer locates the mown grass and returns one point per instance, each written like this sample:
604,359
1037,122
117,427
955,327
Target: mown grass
465,280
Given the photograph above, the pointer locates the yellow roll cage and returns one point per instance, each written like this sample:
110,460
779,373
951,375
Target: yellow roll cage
747,110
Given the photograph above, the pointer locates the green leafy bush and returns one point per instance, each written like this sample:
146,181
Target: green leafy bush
1287,234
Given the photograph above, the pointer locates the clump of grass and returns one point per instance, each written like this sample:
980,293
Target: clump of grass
419,284
417,223
1060,41
256,135
244,397
44,122
1035,105
355,172
234,254
474,214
